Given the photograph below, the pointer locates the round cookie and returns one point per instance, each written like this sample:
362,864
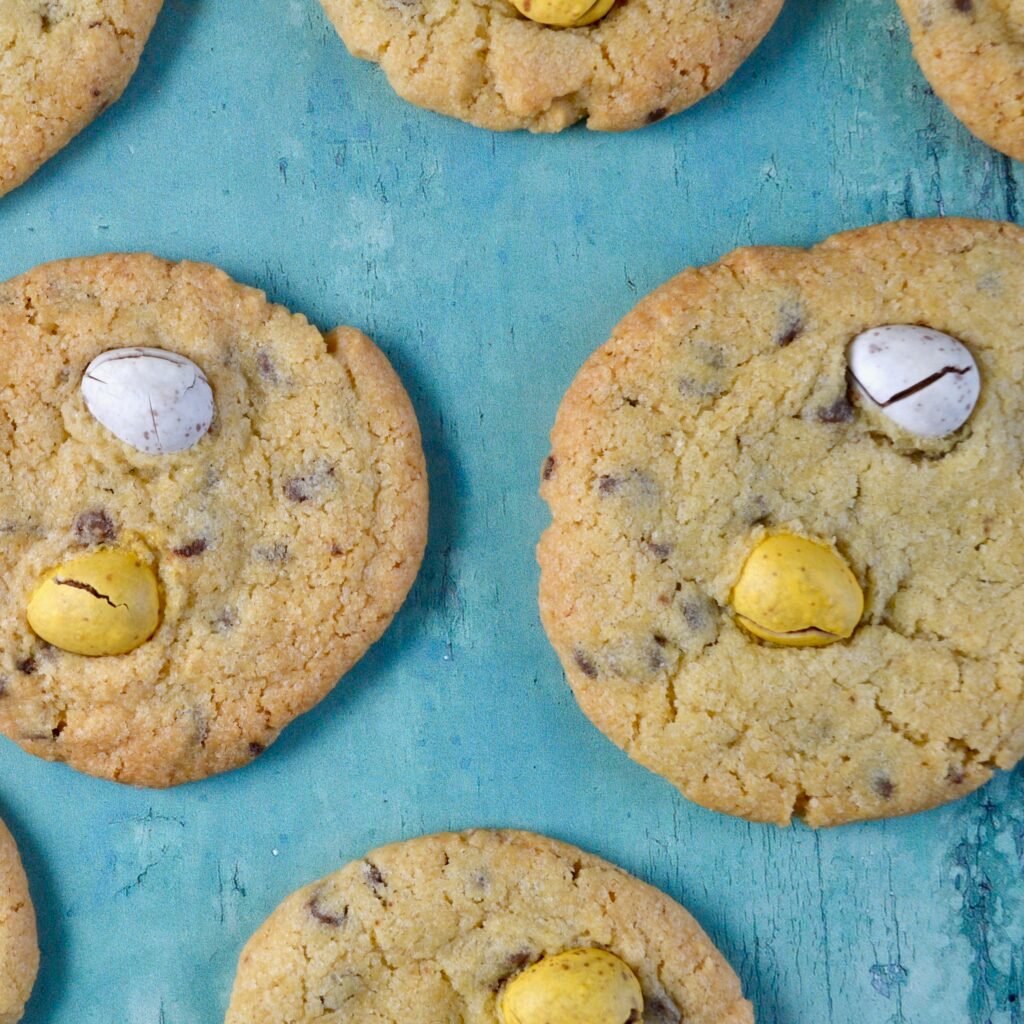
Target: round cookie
19,950
283,541
482,62
433,929
972,53
62,63
719,414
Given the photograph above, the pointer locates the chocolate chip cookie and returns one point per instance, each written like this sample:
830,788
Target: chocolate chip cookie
62,63
717,452
972,52
171,598
481,61
19,951
436,928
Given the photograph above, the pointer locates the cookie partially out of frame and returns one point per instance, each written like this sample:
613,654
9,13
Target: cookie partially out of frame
720,413
62,63
972,52
283,542
19,950
483,62
432,929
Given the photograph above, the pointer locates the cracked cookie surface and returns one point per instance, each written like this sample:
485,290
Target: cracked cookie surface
482,62
972,53
430,930
19,950
283,542
720,411
62,63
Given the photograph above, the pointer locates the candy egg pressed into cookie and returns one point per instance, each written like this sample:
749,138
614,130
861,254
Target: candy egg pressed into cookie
786,560
19,948
62,63
209,511
485,927
545,64
972,53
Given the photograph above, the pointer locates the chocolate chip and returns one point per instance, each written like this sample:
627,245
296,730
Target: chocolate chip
694,388
791,323
655,658
964,6
337,549
660,1010
324,916
788,335
302,488
657,115
695,614
266,367
549,468
584,663
256,748
94,527
635,1017
512,964
840,411
883,786
226,619
373,875
657,550
607,484
3,686
955,775
26,666
191,549
757,512
276,552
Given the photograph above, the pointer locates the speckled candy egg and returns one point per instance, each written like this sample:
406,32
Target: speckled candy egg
923,380
158,402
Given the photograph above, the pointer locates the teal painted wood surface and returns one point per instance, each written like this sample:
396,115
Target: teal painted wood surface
488,267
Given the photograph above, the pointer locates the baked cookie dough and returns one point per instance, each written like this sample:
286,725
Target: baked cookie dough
437,928
719,415
62,63
281,542
483,62
19,950
972,53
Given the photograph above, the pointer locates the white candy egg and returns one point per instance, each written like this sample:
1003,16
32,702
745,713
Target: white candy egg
156,401
922,379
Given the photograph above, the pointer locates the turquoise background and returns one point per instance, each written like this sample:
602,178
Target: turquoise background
488,267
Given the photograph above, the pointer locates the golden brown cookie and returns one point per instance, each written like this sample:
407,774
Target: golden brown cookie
282,541
19,950
434,929
62,63
972,52
483,62
721,413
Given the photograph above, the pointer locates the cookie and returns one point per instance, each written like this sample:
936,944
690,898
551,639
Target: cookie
437,928
19,950
482,62
972,53
721,415
62,63
256,565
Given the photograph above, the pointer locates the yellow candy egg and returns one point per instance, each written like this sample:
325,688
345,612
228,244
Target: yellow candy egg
797,592
581,986
564,13
105,602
